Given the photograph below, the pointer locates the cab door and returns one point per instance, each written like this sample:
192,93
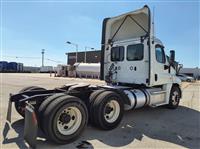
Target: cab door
161,67
132,65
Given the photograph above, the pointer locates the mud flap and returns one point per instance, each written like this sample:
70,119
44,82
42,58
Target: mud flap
30,126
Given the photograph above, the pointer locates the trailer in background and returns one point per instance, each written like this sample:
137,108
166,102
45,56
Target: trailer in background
11,67
3,66
20,67
80,70
61,70
46,69
87,70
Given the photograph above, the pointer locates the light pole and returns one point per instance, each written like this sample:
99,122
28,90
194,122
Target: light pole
85,59
43,57
76,45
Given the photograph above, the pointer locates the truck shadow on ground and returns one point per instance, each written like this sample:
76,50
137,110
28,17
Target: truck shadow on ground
16,126
180,126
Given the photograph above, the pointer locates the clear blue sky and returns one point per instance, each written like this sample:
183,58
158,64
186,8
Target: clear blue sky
28,27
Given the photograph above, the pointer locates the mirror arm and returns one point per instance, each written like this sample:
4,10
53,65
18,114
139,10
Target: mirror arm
166,67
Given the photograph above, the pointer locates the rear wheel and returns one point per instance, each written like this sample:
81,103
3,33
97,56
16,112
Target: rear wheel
64,119
20,106
92,98
107,110
175,96
44,105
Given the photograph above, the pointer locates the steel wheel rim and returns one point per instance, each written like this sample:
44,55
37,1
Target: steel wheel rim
114,113
73,124
175,97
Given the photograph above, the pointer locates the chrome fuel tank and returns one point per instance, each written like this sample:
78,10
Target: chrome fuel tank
138,98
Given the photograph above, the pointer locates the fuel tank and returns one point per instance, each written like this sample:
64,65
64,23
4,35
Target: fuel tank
146,96
138,98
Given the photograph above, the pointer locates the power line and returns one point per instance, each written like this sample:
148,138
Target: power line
21,57
54,61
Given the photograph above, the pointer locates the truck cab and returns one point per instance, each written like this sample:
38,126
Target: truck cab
137,72
131,54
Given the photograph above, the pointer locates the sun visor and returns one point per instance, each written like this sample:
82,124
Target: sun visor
130,25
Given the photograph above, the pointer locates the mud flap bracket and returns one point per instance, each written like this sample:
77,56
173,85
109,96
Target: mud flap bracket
30,126
9,111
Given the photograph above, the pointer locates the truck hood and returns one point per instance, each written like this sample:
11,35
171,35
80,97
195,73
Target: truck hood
129,25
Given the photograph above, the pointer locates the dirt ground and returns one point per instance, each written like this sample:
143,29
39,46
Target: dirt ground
143,128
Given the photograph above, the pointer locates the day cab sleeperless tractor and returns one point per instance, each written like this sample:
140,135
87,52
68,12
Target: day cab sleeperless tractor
137,72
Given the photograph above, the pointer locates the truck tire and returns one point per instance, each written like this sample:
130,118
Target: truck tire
174,98
108,110
92,98
20,107
44,105
64,119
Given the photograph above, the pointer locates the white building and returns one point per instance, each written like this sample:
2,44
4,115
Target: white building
194,72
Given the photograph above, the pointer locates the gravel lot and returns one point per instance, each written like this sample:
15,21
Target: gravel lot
142,128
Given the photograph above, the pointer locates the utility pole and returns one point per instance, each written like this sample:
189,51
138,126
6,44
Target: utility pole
85,59
43,57
76,45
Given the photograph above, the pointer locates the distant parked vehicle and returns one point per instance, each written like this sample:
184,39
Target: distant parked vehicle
3,66
46,69
186,78
11,66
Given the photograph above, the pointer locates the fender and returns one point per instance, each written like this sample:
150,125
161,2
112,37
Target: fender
120,92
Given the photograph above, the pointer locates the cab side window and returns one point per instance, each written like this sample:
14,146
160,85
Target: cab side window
117,53
160,54
135,52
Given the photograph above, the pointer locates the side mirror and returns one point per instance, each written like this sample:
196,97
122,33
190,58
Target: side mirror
172,56
166,67
179,67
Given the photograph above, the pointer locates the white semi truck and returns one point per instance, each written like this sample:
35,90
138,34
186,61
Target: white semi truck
137,72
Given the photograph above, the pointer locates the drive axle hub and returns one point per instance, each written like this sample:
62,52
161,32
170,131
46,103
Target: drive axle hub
65,118
108,109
